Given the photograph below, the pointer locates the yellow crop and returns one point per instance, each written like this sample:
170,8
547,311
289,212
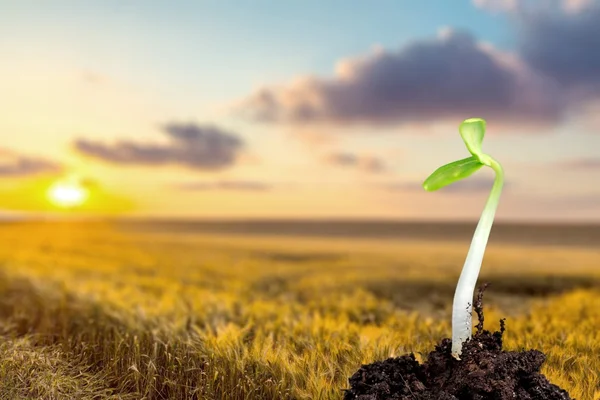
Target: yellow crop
90,312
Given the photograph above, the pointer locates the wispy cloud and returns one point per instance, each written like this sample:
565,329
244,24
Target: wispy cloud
246,186
17,165
94,77
365,163
520,6
193,146
470,185
581,163
496,5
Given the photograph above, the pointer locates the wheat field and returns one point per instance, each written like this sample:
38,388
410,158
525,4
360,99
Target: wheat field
90,311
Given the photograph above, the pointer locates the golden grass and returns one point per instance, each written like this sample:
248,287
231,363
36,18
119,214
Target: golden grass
88,312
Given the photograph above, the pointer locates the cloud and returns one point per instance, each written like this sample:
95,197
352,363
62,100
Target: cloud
576,6
520,6
15,165
552,76
471,185
94,77
581,163
450,77
496,5
564,47
559,39
562,205
362,162
246,186
587,201
190,145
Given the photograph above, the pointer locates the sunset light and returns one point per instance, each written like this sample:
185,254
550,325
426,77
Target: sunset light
293,199
67,194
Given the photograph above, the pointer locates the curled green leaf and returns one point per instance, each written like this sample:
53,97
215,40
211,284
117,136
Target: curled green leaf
452,172
472,131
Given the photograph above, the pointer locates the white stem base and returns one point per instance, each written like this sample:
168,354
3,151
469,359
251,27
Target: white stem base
462,306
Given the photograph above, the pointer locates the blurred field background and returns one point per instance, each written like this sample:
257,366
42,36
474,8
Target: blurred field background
138,118
149,310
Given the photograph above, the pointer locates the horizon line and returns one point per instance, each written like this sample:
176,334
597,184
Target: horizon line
266,219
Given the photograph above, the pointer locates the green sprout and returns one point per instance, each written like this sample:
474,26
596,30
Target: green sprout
472,131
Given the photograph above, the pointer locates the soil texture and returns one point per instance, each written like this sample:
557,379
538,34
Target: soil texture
484,372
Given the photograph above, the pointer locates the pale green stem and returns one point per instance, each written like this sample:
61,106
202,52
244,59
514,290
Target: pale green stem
463,297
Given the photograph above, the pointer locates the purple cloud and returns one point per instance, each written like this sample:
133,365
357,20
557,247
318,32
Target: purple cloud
563,46
450,77
554,74
191,145
559,39
14,165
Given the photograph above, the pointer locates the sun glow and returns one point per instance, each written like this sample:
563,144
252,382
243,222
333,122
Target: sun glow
67,194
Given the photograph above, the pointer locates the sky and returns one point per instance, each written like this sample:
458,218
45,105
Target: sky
265,109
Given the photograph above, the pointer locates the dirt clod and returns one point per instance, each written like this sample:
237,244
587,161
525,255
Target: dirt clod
484,372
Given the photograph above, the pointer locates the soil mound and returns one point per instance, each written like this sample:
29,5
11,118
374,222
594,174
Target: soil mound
485,372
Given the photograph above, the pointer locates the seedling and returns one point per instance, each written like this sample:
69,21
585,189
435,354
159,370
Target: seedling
472,131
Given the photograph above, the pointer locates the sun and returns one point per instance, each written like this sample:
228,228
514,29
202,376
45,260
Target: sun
67,194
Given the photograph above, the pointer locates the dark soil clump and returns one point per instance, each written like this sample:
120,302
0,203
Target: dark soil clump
485,371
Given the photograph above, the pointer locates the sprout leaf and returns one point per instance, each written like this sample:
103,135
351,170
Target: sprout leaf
472,131
452,172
